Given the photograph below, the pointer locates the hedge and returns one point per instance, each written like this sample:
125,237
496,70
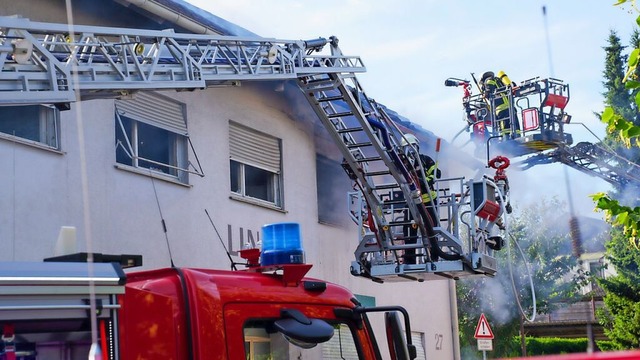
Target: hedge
554,345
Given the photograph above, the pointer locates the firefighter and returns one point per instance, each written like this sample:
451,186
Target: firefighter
496,92
421,163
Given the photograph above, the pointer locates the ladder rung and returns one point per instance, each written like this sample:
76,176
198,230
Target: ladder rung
357,145
337,115
348,130
377,173
394,202
330,98
398,223
405,238
314,89
408,247
317,81
377,158
386,186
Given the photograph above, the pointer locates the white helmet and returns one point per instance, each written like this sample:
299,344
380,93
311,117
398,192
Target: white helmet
410,139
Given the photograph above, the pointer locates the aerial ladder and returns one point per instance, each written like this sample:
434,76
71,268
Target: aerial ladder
534,128
44,63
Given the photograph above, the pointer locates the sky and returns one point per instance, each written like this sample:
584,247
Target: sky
411,46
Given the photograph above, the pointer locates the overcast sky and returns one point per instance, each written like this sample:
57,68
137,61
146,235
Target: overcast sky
411,46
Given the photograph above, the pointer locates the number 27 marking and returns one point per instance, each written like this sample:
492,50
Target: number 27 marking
439,340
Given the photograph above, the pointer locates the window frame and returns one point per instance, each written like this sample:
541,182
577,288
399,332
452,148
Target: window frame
418,340
596,268
332,204
178,167
48,123
241,159
342,331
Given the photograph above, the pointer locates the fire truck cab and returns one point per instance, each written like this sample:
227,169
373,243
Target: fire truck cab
73,310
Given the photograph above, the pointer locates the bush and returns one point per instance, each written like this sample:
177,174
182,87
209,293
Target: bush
606,345
552,345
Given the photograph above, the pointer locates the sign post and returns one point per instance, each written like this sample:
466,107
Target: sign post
484,335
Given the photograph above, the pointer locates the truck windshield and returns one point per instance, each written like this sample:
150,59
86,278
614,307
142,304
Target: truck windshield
261,342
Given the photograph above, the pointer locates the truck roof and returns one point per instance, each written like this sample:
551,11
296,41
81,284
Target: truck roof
249,286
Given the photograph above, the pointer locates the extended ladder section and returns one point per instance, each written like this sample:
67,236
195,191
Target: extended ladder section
535,124
591,159
51,63
550,118
58,64
401,238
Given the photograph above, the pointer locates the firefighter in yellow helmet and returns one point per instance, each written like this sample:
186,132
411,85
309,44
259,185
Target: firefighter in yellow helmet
497,91
422,163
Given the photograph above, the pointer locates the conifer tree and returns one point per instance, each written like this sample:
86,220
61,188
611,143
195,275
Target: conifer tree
615,94
622,294
635,115
622,291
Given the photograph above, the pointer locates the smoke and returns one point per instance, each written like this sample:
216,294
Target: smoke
470,353
629,195
497,301
549,181
542,231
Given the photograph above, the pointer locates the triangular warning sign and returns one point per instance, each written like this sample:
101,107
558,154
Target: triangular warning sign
483,330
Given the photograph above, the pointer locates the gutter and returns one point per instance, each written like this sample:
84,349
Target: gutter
172,16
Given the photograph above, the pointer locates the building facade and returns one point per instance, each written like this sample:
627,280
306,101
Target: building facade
185,177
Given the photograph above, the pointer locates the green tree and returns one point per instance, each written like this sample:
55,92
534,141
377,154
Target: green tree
547,248
615,94
635,115
621,315
621,116
621,120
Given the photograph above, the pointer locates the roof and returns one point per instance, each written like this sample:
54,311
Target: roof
206,18
196,15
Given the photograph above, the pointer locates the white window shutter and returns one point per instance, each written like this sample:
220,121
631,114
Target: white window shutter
341,345
417,341
156,110
254,148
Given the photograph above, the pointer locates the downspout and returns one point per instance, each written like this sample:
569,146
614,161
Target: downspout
171,16
453,298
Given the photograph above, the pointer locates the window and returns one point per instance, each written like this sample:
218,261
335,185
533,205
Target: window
255,165
333,185
262,343
151,133
341,346
596,268
417,339
38,124
366,300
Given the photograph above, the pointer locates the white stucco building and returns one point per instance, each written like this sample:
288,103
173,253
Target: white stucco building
113,169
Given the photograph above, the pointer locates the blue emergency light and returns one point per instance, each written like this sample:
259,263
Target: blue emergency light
281,244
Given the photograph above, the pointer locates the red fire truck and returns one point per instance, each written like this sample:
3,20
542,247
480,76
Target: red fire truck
66,309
